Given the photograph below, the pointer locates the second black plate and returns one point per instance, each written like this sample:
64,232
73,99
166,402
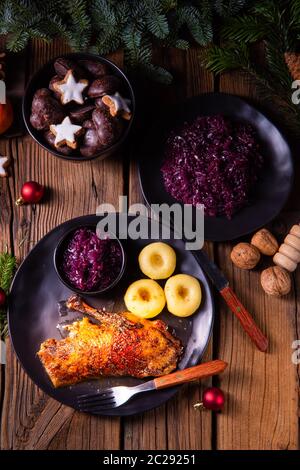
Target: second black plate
271,191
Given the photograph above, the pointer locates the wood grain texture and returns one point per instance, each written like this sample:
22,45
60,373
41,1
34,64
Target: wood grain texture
188,428
262,402
31,420
177,425
261,409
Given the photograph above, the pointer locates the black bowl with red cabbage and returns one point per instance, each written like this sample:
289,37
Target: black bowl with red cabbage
214,161
88,264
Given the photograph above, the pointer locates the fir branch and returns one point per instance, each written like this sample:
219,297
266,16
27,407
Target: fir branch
79,30
7,269
277,23
218,59
134,52
246,29
198,23
181,44
226,8
158,25
154,72
277,69
106,25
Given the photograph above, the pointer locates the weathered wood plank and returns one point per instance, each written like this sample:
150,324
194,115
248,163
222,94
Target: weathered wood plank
30,419
188,428
6,235
261,389
176,425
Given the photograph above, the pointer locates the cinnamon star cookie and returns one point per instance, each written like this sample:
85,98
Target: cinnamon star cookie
66,133
4,163
69,89
118,106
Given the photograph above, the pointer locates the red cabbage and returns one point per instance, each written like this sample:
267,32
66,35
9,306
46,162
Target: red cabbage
212,161
90,263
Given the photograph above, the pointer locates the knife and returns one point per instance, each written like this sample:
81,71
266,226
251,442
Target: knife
235,305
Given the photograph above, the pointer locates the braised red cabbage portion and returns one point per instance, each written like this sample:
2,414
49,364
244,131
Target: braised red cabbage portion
212,161
89,263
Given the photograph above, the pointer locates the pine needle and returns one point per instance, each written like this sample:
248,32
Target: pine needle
277,23
104,26
7,269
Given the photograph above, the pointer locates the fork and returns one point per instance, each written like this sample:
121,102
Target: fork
114,397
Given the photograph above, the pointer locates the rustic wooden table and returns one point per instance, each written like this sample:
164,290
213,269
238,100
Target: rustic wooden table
261,411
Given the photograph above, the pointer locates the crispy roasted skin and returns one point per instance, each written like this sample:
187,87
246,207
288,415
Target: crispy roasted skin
120,344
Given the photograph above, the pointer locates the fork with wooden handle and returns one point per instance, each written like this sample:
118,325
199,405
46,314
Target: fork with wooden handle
117,396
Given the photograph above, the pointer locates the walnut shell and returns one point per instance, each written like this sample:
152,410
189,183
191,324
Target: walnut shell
245,256
275,281
265,242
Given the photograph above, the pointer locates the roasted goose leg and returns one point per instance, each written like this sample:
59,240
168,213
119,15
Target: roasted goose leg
121,344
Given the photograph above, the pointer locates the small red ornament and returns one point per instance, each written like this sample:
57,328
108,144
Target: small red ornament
31,193
213,399
2,297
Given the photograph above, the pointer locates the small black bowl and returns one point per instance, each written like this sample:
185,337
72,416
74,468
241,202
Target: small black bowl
58,260
42,78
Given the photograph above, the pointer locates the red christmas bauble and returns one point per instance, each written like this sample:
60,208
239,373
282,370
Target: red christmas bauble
213,399
2,297
31,193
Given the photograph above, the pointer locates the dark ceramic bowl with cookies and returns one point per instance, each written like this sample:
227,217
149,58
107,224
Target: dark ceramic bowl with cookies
103,111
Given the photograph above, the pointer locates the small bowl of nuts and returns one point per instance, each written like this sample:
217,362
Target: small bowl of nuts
79,107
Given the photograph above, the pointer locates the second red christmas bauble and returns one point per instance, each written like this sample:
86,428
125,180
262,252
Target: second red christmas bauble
213,399
31,193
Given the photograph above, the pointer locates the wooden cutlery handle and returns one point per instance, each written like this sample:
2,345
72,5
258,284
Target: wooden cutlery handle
187,375
245,319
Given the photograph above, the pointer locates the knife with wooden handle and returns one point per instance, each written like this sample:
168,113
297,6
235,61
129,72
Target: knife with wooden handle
235,305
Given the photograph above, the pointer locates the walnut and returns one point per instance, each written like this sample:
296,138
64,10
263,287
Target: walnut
265,242
245,256
275,281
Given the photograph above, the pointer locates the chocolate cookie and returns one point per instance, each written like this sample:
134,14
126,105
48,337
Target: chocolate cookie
54,80
106,85
45,110
109,129
50,139
96,69
63,65
82,113
91,144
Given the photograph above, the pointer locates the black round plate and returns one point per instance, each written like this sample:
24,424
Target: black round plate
33,316
270,192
